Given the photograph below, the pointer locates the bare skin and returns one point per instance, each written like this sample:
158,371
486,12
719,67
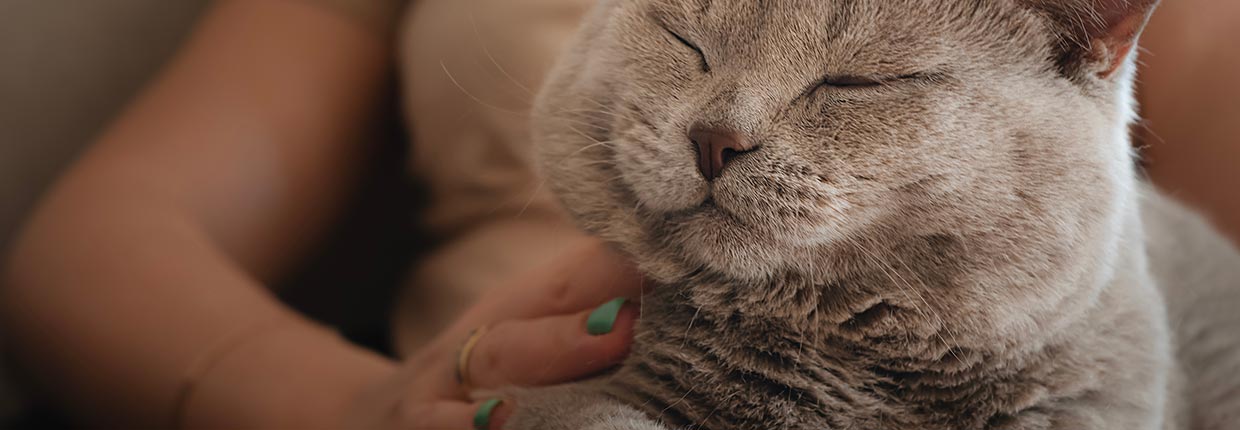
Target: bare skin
207,188
191,195
537,337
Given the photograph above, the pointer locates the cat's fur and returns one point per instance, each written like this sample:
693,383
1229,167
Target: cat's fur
962,247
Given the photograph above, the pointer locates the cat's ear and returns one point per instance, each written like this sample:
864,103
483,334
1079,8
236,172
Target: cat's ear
1098,35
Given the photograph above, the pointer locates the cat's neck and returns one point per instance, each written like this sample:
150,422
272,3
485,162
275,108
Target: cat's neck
876,341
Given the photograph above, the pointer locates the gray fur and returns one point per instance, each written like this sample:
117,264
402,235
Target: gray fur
959,248
1199,272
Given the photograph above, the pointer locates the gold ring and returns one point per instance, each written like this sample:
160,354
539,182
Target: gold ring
462,357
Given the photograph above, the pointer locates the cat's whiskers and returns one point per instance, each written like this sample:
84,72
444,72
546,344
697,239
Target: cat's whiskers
533,196
595,102
603,162
582,117
689,328
543,182
586,110
906,288
587,114
637,206
587,135
486,51
718,405
940,320
586,148
515,196
477,99
903,285
583,123
529,93
813,333
678,401
615,178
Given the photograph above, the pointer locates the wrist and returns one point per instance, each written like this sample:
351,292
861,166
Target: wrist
295,375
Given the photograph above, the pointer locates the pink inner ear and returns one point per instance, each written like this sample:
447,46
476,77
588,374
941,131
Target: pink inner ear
1113,14
1119,42
1121,24
1099,34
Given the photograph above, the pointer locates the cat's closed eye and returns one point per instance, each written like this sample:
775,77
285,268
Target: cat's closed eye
692,46
845,82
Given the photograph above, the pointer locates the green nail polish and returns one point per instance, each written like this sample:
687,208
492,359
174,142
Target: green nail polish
482,418
603,319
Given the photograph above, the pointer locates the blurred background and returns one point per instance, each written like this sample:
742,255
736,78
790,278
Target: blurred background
68,66
67,69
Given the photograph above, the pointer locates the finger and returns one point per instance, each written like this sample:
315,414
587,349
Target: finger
492,414
443,415
589,274
594,274
552,350
603,274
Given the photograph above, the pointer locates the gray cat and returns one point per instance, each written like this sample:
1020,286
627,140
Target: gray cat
884,214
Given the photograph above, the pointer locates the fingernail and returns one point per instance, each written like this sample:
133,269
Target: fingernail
603,319
482,418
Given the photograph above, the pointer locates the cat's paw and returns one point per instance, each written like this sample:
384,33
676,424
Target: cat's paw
574,408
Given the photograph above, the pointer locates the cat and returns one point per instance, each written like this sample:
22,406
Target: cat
883,214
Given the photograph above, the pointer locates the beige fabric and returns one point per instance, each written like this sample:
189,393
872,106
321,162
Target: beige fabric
470,69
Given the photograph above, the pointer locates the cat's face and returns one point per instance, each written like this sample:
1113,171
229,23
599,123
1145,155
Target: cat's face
874,122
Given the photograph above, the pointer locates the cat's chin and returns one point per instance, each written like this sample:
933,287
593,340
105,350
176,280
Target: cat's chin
720,240
708,214
737,244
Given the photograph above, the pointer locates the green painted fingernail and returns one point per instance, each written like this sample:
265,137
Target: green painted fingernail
603,319
482,418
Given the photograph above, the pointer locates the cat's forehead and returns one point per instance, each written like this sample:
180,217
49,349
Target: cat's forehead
866,33
830,13
839,20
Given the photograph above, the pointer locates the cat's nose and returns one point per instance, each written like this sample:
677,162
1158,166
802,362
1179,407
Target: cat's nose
716,148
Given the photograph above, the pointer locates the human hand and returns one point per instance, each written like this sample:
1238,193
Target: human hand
549,328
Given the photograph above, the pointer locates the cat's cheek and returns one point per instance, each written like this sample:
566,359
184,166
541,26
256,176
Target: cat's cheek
658,186
657,196
840,223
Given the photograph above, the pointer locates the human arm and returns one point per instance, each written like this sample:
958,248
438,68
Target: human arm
154,247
